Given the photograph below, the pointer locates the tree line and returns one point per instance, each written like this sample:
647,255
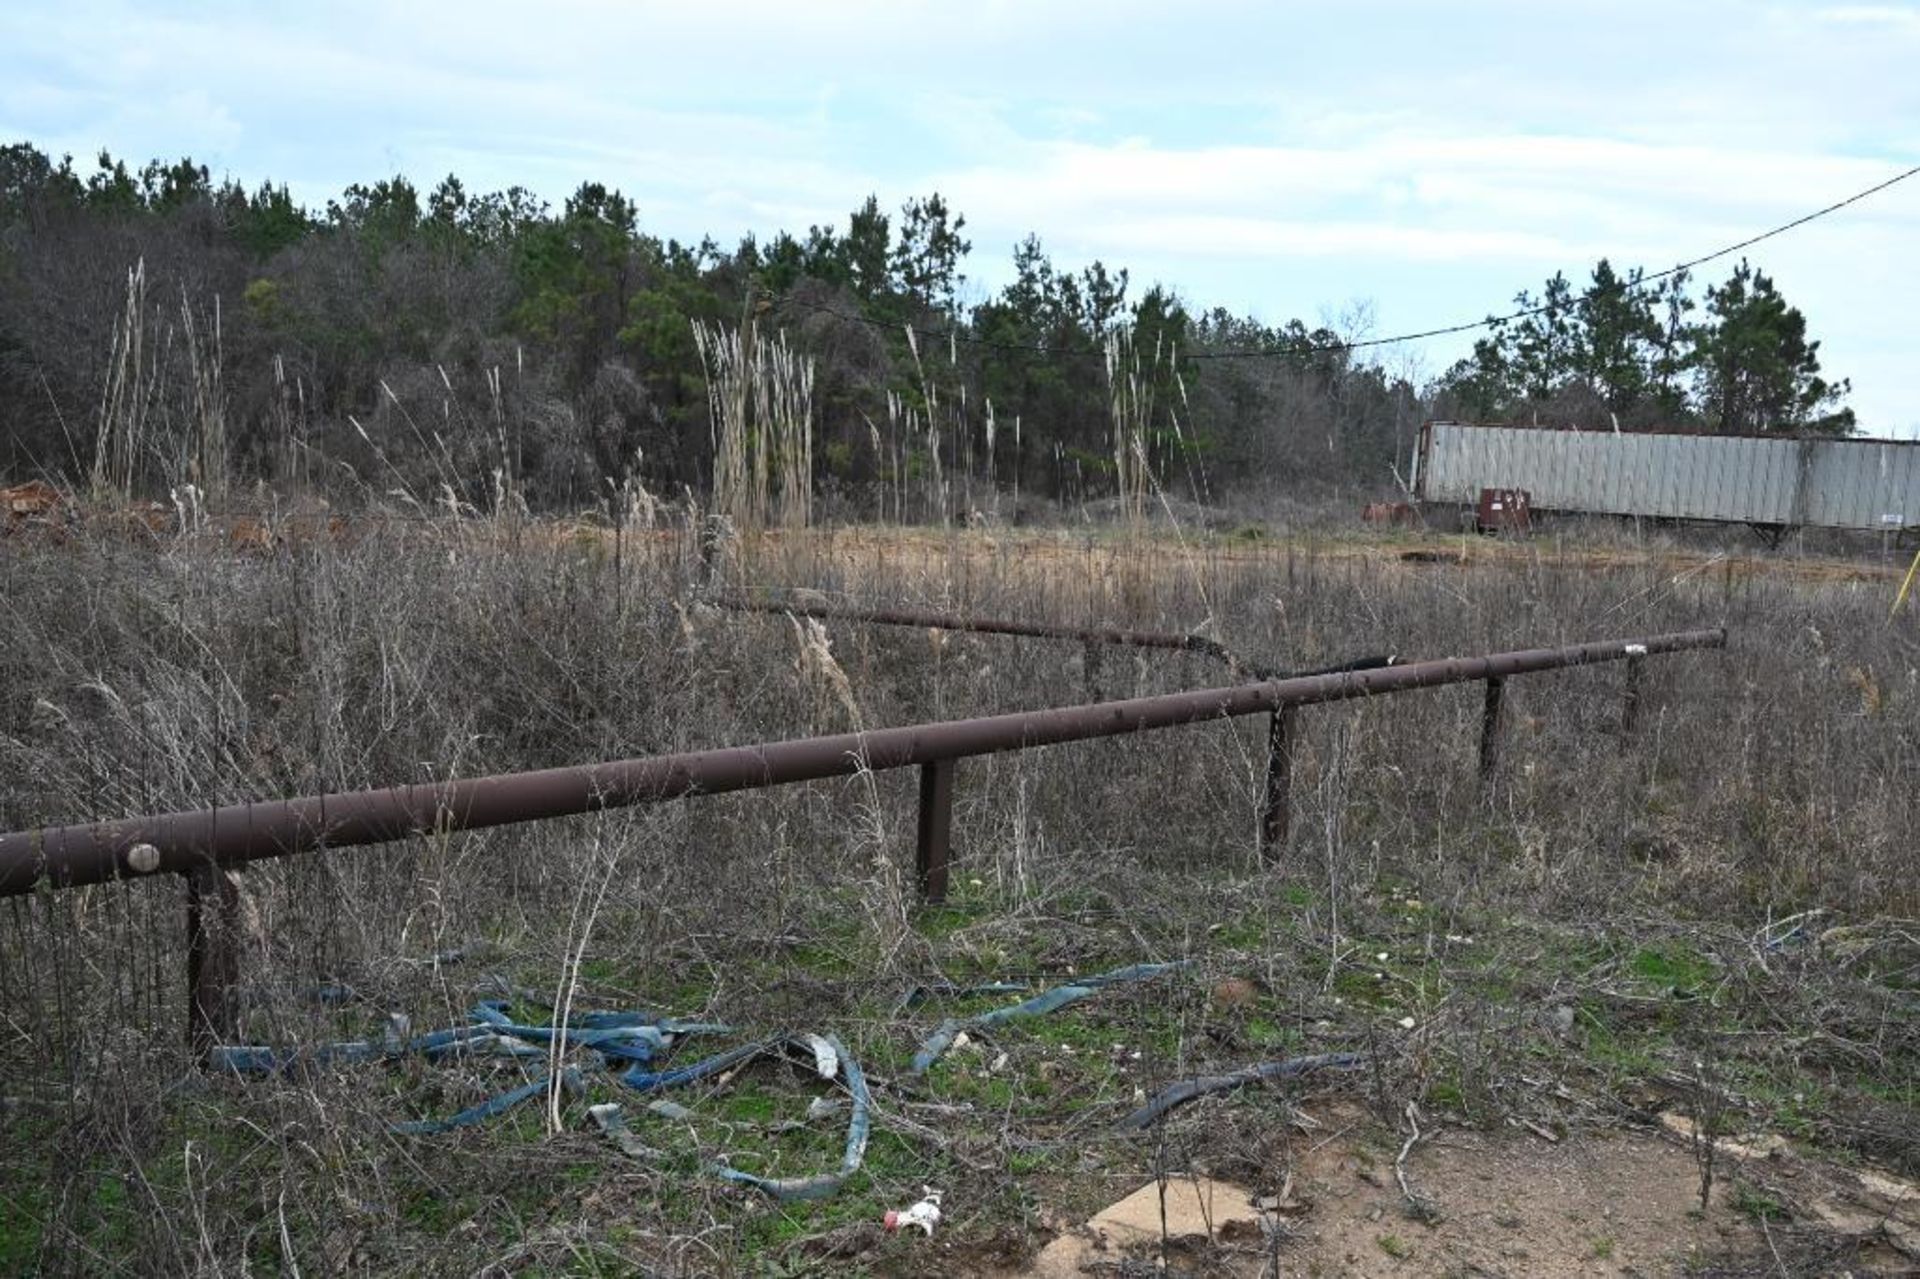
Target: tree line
455,345
1629,352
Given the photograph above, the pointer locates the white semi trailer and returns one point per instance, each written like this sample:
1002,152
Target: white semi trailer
1771,482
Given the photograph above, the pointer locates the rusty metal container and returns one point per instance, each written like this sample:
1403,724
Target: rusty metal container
1504,511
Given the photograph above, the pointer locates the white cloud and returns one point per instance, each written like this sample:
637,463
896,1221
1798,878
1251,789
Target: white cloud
1253,237
1421,197
1898,17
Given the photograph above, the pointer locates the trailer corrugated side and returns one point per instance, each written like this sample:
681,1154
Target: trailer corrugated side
1745,479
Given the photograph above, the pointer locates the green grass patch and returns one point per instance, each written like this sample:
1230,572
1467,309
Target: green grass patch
1673,967
1751,1202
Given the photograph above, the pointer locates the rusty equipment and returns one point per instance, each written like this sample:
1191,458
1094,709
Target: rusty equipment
1392,514
204,844
1504,511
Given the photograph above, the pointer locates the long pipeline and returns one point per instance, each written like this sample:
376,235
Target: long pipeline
68,856
1174,641
981,625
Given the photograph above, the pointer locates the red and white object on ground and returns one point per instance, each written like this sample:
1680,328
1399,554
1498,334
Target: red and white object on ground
925,1214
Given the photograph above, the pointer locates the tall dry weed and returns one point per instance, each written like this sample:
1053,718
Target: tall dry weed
760,403
822,674
1130,406
207,466
129,395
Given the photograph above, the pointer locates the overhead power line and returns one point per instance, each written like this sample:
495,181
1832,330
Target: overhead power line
1318,348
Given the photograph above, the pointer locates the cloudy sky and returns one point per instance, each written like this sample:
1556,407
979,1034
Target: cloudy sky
1410,163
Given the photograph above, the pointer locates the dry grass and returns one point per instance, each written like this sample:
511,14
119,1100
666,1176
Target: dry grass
129,394
1631,881
760,398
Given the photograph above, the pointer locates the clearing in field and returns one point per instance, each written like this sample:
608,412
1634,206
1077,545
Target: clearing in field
1641,1001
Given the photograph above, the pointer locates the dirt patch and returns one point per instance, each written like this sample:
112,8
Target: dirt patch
1619,1204
1510,1203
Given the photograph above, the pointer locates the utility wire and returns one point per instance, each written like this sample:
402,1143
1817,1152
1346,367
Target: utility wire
1319,348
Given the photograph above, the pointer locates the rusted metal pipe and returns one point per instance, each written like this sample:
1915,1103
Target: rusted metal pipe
239,833
1276,809
1630,702
213,965
1490,729
1092,637
933,844
1089,635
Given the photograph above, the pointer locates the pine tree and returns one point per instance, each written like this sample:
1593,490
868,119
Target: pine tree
1756,371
